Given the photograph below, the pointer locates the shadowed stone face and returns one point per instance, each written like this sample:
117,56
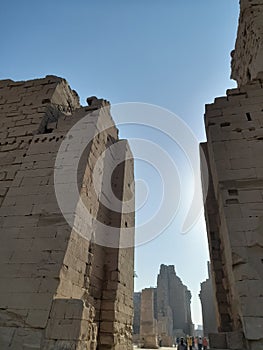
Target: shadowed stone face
207,298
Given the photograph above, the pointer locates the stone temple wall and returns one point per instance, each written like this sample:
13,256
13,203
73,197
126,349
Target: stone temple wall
234,127
61,289
247,59
234,204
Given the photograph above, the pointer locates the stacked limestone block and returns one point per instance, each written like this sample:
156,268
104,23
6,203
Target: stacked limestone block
59,288
234,211
148,323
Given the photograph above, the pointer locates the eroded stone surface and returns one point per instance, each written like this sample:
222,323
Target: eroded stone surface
234,208
148,323
173,306
247,60
234,205
60,290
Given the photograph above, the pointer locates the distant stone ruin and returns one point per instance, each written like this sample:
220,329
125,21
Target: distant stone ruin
234,205
173,306
164,311
61,287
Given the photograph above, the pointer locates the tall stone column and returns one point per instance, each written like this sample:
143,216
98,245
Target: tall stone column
148,324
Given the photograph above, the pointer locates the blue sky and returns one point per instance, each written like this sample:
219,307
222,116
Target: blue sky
171,53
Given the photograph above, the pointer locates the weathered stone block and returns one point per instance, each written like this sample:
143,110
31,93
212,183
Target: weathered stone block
253,327
218,340
235,340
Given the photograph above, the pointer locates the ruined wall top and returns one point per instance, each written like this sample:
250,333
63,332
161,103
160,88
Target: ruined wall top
169,269
42,101
51,90
247,58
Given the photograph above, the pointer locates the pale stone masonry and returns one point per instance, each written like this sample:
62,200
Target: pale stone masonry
234,205
148,322
208,302
60,290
